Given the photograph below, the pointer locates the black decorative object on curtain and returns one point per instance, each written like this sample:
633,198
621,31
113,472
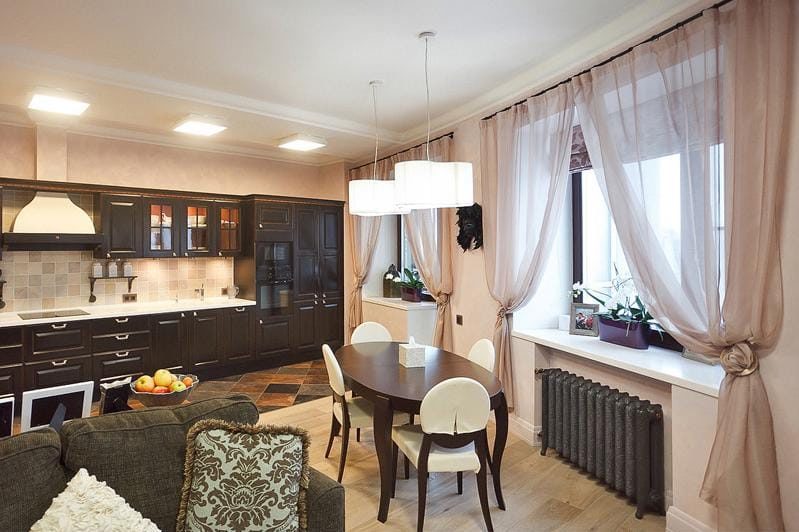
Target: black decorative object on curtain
470,223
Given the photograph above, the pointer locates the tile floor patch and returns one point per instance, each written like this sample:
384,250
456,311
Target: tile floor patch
283,388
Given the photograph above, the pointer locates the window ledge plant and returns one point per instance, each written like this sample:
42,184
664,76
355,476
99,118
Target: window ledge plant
412,286
625,319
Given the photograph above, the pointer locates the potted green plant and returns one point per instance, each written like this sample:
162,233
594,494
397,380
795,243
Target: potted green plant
625,320
412,286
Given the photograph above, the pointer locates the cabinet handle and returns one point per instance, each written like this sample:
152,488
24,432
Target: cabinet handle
260,322
220,253
195,314
240,309
62,363
122,337
174,254
186,254
260,226
108,255
324,302
57,326
182,315
123,355
121,320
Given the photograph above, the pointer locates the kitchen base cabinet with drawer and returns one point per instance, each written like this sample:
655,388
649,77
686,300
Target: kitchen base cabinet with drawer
237,335
50,373
109,367
58,340
11,380
169,341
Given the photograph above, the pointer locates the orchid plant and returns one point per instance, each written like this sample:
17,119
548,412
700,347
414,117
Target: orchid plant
621,300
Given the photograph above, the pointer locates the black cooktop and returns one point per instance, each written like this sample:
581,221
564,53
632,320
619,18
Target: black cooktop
51,314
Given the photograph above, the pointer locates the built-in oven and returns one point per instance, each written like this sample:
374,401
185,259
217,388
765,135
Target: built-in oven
274,277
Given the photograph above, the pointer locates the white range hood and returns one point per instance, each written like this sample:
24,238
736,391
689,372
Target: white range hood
52,213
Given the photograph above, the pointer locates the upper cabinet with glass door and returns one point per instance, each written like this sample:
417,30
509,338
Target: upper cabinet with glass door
198,228
161,228
228,225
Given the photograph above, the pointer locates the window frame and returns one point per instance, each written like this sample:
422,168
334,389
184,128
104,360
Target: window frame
664,339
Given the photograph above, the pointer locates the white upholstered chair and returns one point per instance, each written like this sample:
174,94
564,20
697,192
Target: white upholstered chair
482,352
370,331
348,412
451,438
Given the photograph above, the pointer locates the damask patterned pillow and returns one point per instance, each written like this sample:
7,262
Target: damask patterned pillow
244,478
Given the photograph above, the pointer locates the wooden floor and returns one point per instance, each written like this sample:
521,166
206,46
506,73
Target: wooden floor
541,492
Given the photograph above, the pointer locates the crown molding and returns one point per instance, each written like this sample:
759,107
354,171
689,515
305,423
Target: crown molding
635,25
27,57
127,134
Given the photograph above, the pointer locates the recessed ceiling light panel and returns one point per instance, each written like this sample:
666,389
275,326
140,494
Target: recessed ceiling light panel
58,102
200,125
301,142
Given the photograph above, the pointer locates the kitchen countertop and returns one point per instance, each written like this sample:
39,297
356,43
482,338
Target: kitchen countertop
11,319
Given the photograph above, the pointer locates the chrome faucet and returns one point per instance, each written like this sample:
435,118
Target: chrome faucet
200,292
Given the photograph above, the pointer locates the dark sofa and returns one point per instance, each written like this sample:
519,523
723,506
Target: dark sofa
140,454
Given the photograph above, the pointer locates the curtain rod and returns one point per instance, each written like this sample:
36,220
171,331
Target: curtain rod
451,134
613,57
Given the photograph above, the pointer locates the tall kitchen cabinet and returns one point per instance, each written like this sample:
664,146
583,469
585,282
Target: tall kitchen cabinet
318,278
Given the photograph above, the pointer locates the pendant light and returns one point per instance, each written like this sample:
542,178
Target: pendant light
427,184
374,197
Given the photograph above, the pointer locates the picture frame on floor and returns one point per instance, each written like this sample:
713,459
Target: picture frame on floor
38,406
6,415
583,320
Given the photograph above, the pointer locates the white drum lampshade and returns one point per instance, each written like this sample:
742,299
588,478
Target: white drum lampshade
373,197
434,185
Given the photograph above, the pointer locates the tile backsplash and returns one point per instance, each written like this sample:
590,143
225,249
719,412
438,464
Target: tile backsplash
57,279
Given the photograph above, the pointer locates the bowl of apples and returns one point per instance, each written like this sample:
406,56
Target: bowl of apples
163,388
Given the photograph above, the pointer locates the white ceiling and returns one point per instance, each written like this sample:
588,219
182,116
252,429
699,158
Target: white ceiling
271,69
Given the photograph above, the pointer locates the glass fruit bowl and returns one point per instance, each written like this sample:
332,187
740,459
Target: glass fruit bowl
164,399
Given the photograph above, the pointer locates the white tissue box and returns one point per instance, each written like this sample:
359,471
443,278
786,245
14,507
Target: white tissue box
411,356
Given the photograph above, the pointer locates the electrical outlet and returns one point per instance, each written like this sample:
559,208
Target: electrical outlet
458,319
129,298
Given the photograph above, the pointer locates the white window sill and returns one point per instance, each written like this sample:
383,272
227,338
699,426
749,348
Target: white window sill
397,303
656,363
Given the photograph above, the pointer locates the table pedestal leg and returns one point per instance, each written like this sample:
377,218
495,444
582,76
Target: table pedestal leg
500,438
382,417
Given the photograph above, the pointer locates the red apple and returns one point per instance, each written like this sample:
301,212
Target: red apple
160,389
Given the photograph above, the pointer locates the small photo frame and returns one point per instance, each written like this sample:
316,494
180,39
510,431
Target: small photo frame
38,406
583,319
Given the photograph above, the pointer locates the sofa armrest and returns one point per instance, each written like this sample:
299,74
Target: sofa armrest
325,503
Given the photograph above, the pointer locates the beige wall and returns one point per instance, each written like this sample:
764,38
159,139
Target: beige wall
126,163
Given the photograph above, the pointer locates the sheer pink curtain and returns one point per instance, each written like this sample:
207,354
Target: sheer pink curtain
430,238
686,136
525,169
363,233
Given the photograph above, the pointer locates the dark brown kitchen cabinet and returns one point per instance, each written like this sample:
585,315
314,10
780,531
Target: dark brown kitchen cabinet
273,216
50,373
162,230
11,380
204,339
198,224
318,278
169,349
120,224
237,335
228,229
58,340
109,367
273,338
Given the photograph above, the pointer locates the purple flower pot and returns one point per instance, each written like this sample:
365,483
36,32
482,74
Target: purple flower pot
628,334
414,295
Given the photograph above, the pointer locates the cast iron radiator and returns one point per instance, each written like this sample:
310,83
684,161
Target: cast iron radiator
615,437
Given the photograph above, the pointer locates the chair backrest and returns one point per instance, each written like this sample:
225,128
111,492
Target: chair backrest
334,374
482,352
455,406
370,331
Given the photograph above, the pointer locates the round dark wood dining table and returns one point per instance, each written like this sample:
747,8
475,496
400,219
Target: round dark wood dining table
372,370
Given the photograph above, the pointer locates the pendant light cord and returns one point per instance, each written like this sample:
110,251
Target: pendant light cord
427,89
377,131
